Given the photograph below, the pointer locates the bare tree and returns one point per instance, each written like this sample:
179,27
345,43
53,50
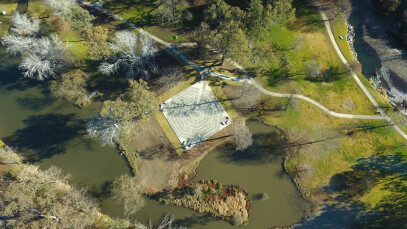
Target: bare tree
170,78
41,198
242,136
15,44
23,25
131,56
45,59
248,98
165,223
60,7
313,69
126,190
9,156
107,129
345,6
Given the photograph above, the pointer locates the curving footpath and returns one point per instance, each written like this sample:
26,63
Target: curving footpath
205,71
375,103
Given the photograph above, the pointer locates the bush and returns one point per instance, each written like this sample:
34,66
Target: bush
71,87
237,219
59,24
198,191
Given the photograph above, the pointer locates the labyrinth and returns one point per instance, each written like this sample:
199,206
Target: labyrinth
195,114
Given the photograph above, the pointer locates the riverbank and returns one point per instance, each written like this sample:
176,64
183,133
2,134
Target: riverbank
82,208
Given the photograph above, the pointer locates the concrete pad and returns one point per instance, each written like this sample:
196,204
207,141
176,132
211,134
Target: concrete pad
195,114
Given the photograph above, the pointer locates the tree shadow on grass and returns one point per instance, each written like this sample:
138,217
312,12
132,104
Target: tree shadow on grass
388,175
45,135
266,148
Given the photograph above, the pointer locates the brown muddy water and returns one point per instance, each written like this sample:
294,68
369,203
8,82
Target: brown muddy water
51,132
257,170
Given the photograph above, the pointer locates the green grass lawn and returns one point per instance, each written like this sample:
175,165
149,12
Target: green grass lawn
141,13
339,28
5,21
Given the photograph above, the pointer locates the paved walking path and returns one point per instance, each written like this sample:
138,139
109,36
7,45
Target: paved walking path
205,71
375,103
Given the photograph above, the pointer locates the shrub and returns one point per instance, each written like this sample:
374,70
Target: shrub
59,24
237,219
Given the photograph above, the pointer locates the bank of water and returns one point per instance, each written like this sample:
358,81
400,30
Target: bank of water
376,44
51,132
257,170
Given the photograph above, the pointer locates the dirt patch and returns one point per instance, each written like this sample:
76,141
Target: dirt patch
159,166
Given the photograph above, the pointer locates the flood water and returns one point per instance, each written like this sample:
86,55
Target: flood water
51,132
257,170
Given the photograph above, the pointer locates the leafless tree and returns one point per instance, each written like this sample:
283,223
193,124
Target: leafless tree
23,25
248,97
60,7
345,6
170,78
130,55
165,223
105,128
44,59
242,137
42,198
9,156
313,69
126,190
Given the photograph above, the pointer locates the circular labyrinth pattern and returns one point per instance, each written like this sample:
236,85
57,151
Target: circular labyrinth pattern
195,114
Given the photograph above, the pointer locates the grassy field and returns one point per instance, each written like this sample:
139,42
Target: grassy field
141,13
9,6
339,28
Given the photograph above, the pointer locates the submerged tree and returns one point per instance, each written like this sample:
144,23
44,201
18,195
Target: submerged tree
71,86
165,223
242,137
117,118
127,191
130,55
